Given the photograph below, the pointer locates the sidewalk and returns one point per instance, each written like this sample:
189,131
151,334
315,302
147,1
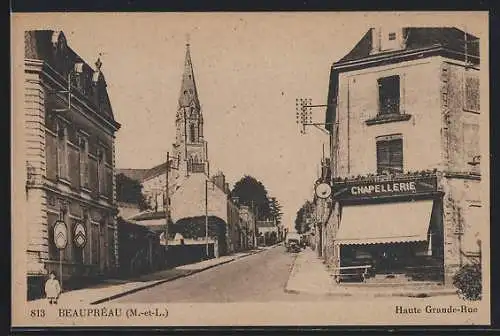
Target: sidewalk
310,275
114,288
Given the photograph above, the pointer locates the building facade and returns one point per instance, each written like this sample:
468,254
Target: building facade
405,159
70,149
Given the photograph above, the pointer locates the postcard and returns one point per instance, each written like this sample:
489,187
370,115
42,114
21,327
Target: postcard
250,169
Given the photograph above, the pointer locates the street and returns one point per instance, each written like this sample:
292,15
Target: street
258,278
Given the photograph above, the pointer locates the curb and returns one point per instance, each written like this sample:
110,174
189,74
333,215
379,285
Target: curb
159,282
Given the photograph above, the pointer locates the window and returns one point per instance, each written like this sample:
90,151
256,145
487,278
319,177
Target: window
389,88
471,92
390,154
101,171
62,151
84,161
392,36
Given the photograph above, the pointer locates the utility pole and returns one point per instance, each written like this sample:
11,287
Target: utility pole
206,218
166,200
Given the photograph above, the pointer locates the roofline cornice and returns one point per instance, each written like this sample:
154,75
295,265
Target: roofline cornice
56,78
396,57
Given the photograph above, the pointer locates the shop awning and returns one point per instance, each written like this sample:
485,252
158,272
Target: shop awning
385,223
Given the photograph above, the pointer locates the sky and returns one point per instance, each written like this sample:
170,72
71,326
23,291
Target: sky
249,69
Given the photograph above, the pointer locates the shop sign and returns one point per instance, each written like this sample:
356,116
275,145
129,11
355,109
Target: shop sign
60,235
366,189
80,235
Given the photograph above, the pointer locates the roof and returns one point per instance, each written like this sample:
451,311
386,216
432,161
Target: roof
445,39
132,173
51,47
148,215
417,38
155,171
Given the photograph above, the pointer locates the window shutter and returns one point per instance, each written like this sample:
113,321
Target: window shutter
396,150
471,92
383,159
74,167
93,174
51,156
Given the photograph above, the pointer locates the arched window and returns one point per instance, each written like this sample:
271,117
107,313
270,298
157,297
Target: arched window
191,133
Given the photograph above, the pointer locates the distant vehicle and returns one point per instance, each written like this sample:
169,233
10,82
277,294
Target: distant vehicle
293,246
292,242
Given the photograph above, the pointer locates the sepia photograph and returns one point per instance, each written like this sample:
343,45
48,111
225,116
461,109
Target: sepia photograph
237,169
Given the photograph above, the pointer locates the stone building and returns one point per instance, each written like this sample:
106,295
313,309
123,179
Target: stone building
70,150
403,117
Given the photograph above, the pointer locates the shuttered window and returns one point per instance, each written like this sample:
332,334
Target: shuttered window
51,156
62,152
471,92
389,95
74,166
84,162
93,174
390,156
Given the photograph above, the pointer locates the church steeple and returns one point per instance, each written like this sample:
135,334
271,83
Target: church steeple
190,145
189,95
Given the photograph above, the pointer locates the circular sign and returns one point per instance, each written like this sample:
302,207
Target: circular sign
79,235
60,234
323,190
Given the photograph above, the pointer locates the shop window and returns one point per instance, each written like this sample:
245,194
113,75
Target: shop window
389,155
471,92
389,95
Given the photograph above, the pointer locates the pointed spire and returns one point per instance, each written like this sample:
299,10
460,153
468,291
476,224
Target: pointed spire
188,93
98,64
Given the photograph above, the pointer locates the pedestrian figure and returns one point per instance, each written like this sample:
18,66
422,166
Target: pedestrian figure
52,288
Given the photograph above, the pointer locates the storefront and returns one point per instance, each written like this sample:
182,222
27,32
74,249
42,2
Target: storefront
389,228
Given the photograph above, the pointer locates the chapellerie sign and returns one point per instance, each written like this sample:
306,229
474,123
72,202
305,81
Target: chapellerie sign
384,188
363,189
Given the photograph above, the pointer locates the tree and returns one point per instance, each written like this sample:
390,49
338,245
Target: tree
301,221
130,191
275,210
251,192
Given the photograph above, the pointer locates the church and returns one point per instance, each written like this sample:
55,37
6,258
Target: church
196,200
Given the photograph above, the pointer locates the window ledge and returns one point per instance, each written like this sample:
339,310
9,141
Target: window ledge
387,118
64,181
86,189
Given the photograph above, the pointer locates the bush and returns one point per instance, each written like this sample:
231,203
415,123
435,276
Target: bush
468,280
